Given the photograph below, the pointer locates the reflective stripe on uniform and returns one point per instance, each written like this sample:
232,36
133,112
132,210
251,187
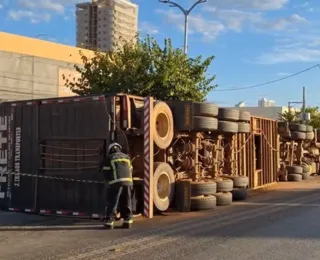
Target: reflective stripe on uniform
109,223
120,180
106,168
115,179
128,221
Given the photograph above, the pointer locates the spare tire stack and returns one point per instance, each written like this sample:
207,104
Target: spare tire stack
202,195
194,116
240,187
298,131
309,133
294,173
244,122
224,189
228,120
204,116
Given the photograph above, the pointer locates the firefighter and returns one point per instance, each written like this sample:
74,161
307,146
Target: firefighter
117,170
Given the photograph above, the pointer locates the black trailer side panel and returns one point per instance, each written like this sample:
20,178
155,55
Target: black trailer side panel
73,137
73,120
6,154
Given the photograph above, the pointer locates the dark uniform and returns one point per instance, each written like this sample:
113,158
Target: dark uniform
117,170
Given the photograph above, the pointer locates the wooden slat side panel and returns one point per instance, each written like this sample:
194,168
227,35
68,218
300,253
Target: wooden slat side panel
246,158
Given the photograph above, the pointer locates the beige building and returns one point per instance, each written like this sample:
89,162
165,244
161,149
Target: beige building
33,69
266,112
101,23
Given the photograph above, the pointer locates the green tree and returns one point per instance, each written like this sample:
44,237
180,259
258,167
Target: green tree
289,116
144,68
294,116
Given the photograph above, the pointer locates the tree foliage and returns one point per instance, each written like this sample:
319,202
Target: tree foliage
294,116
144,68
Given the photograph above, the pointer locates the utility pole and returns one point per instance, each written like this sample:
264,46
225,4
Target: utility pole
186,13
303,102
304,105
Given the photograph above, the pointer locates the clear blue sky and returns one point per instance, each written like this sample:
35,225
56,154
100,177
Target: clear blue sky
254,41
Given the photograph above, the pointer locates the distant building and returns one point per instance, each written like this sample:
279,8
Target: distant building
266,112
33,69
101,23
266,108
266,103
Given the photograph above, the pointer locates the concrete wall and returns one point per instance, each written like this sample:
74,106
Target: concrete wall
33,69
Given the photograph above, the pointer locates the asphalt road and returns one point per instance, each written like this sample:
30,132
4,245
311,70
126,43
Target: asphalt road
280,223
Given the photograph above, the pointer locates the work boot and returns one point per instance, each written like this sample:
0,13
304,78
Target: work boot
127,224
109,224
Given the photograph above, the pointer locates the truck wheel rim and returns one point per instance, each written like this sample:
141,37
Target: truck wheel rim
163,186
162,125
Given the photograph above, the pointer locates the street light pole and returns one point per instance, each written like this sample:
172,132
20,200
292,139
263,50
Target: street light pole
185,42
186,13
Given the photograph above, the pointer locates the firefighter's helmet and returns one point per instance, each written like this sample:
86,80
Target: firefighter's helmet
114,147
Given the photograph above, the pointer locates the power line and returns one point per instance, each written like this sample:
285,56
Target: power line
269,82
229,89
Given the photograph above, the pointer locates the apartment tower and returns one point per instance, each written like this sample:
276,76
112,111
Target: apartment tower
102,23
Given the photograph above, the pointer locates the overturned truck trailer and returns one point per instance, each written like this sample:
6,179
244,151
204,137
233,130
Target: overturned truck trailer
51,151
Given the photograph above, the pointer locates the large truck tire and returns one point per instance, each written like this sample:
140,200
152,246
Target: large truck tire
306,168
294,177
203,188
228,127
228,114
298,136
163,185
305,176
294,169
243,127
309,135
297,127
309,128
239,181
162,125
203,203
244,116
239,194
224,185
205,109
224,198
201,123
